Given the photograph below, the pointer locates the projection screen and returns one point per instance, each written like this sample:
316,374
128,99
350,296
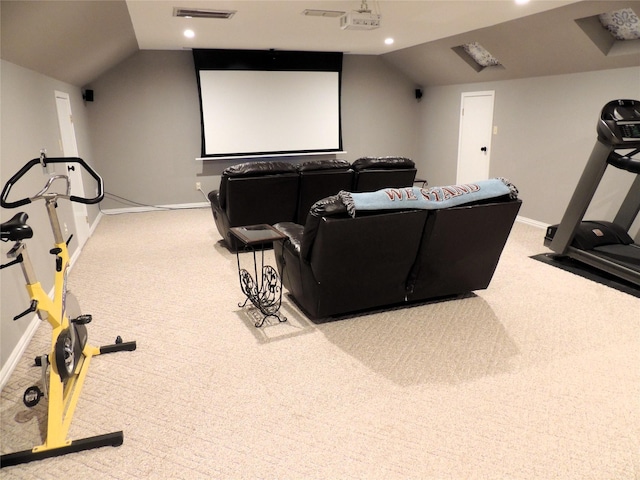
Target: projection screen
266,103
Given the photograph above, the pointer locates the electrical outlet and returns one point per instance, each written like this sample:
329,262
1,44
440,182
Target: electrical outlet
198,185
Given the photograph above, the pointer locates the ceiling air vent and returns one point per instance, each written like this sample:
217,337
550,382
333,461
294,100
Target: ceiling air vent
322,13
203,13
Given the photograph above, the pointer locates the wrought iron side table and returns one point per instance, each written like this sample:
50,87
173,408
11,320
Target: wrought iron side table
264,287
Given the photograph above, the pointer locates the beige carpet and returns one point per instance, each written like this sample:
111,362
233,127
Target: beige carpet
537,377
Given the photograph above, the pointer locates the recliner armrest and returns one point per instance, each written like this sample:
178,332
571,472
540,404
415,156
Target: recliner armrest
328,206
214,197
294,233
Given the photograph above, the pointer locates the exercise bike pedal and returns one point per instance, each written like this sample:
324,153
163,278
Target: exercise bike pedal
38,360
32,396
82,320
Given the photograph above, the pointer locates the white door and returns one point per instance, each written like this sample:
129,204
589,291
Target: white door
70,149
474,143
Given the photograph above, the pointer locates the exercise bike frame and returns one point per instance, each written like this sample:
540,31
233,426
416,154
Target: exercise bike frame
63,388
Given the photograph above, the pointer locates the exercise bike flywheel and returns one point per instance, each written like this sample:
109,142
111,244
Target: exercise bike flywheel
65,354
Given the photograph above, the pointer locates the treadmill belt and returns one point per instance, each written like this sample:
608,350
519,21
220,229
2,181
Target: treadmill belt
588,272
627,255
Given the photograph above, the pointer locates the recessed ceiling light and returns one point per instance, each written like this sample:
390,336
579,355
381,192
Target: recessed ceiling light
189,33
522,2
388,41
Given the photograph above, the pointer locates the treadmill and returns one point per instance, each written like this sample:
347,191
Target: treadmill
605,245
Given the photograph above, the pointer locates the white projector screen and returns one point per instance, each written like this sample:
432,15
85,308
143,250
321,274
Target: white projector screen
266,103
247,111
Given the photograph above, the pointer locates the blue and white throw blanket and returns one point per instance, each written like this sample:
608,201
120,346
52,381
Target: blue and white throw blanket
427,198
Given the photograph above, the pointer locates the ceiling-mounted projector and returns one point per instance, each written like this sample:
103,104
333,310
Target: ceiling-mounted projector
360,20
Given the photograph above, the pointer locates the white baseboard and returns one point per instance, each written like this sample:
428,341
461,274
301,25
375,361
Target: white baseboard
181,206
76,254
533,223
95,224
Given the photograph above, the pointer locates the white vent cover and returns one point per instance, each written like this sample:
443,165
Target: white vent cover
203,13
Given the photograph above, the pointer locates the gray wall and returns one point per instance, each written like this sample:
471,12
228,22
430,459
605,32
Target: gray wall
379,109
546,131
29,122
145,124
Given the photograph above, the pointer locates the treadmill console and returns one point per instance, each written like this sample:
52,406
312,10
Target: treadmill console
619,124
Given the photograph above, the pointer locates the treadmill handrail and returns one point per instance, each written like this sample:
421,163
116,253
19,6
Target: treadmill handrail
624,162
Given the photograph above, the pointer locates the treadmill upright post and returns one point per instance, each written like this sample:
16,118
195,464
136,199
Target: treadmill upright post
582,196
630,206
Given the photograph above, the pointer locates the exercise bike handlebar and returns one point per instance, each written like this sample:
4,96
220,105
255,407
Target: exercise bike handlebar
38,161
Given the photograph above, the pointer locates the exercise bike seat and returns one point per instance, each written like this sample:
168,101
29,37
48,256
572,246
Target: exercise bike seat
16,228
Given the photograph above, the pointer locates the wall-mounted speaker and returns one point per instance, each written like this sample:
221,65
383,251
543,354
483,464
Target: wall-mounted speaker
88,95
418,93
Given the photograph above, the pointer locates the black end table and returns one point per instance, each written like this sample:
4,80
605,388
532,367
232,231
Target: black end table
264,291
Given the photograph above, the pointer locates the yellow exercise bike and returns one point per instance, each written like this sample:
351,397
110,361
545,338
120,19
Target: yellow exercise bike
65,367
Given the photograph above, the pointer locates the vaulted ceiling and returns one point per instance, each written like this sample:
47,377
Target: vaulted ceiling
76,41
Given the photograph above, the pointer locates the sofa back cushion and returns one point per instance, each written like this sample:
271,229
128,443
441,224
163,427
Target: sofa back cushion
365,163
363,262
269,199
374,173
251,170
460,248
320,179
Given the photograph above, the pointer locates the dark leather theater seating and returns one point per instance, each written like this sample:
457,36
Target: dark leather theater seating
375,173
319,179
273,191
253,193
336,264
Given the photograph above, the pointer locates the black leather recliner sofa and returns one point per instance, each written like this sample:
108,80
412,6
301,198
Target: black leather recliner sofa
319,179
273,191
336,264
374,173
253,193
